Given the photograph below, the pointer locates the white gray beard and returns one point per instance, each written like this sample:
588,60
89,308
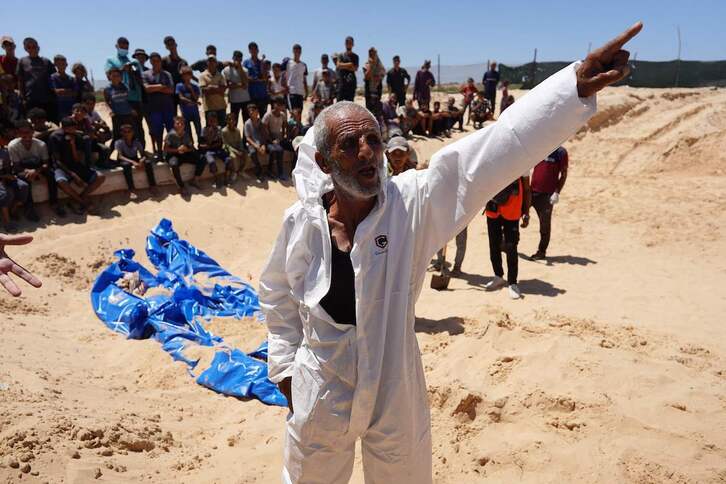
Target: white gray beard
349,184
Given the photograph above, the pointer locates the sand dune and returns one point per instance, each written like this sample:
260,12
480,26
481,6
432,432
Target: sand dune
611,369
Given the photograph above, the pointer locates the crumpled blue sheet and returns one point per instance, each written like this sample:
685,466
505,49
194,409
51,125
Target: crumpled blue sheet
193,288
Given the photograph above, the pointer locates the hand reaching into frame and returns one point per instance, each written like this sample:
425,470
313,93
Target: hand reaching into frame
8,266
606,65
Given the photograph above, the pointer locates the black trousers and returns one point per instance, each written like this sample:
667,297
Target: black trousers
192,158
492,98
509,229
541,203
128,169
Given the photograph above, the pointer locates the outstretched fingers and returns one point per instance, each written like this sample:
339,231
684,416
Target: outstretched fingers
21,272
618,42
9,285
15,239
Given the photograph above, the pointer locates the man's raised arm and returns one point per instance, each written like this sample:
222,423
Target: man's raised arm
464,175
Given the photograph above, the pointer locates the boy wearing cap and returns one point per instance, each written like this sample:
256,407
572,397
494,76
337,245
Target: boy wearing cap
66,151
213,86
8,62
159,87
141,56
400,155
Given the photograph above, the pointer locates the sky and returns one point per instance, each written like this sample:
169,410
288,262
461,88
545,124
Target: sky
461,32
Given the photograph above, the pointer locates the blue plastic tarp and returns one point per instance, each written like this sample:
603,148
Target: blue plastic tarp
192,287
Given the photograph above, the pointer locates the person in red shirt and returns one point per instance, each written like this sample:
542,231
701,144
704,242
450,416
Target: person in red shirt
8,61
468,90
548,180
503,213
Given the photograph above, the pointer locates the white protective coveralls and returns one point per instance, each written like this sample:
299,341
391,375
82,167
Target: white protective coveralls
367,381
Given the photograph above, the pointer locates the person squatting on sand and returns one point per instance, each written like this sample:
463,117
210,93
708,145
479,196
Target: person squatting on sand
340,286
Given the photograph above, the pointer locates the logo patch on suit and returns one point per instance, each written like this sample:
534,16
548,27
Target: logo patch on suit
381,241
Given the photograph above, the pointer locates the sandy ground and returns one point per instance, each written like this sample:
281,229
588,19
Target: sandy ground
611,369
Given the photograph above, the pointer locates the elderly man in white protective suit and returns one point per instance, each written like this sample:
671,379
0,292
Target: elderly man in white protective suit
339,289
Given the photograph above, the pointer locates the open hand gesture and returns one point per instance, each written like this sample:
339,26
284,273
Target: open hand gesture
7,265
606,65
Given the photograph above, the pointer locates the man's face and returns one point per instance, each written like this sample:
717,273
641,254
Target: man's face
79,114
254,114
156,63
212,51
61,65
357,155
31,48
179,126
230,122
127,134
38,123
212,65
324,61
392,100
115,77
25,134
398,158
123,45
396,62
90,105
254,51
277,108
296,52
170,45
9,49
276,70
237,59
348,44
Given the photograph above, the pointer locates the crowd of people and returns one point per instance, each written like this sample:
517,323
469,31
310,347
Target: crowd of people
251,111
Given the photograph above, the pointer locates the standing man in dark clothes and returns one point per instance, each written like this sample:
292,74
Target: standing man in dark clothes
9,62
160,89
201,64
490,81
423,84
33,75
345,70
257,79
64,87
131,77
173,63
548,180
398,80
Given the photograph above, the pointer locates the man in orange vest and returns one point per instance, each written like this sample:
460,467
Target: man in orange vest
503,213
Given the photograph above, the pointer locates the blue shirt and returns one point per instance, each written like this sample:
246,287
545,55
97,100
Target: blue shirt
118,99
132,83
257,90
66,102
188,110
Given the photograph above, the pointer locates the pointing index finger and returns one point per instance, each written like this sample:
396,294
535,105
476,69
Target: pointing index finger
618,42
15,239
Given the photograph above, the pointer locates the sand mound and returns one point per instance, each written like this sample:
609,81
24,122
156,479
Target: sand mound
612,368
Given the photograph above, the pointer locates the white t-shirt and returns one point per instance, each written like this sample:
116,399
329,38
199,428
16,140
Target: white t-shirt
236,94
296,72
38,150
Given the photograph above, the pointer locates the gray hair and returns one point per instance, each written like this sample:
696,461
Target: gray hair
323,143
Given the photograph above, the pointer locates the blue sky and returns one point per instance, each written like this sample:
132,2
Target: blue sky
462,32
